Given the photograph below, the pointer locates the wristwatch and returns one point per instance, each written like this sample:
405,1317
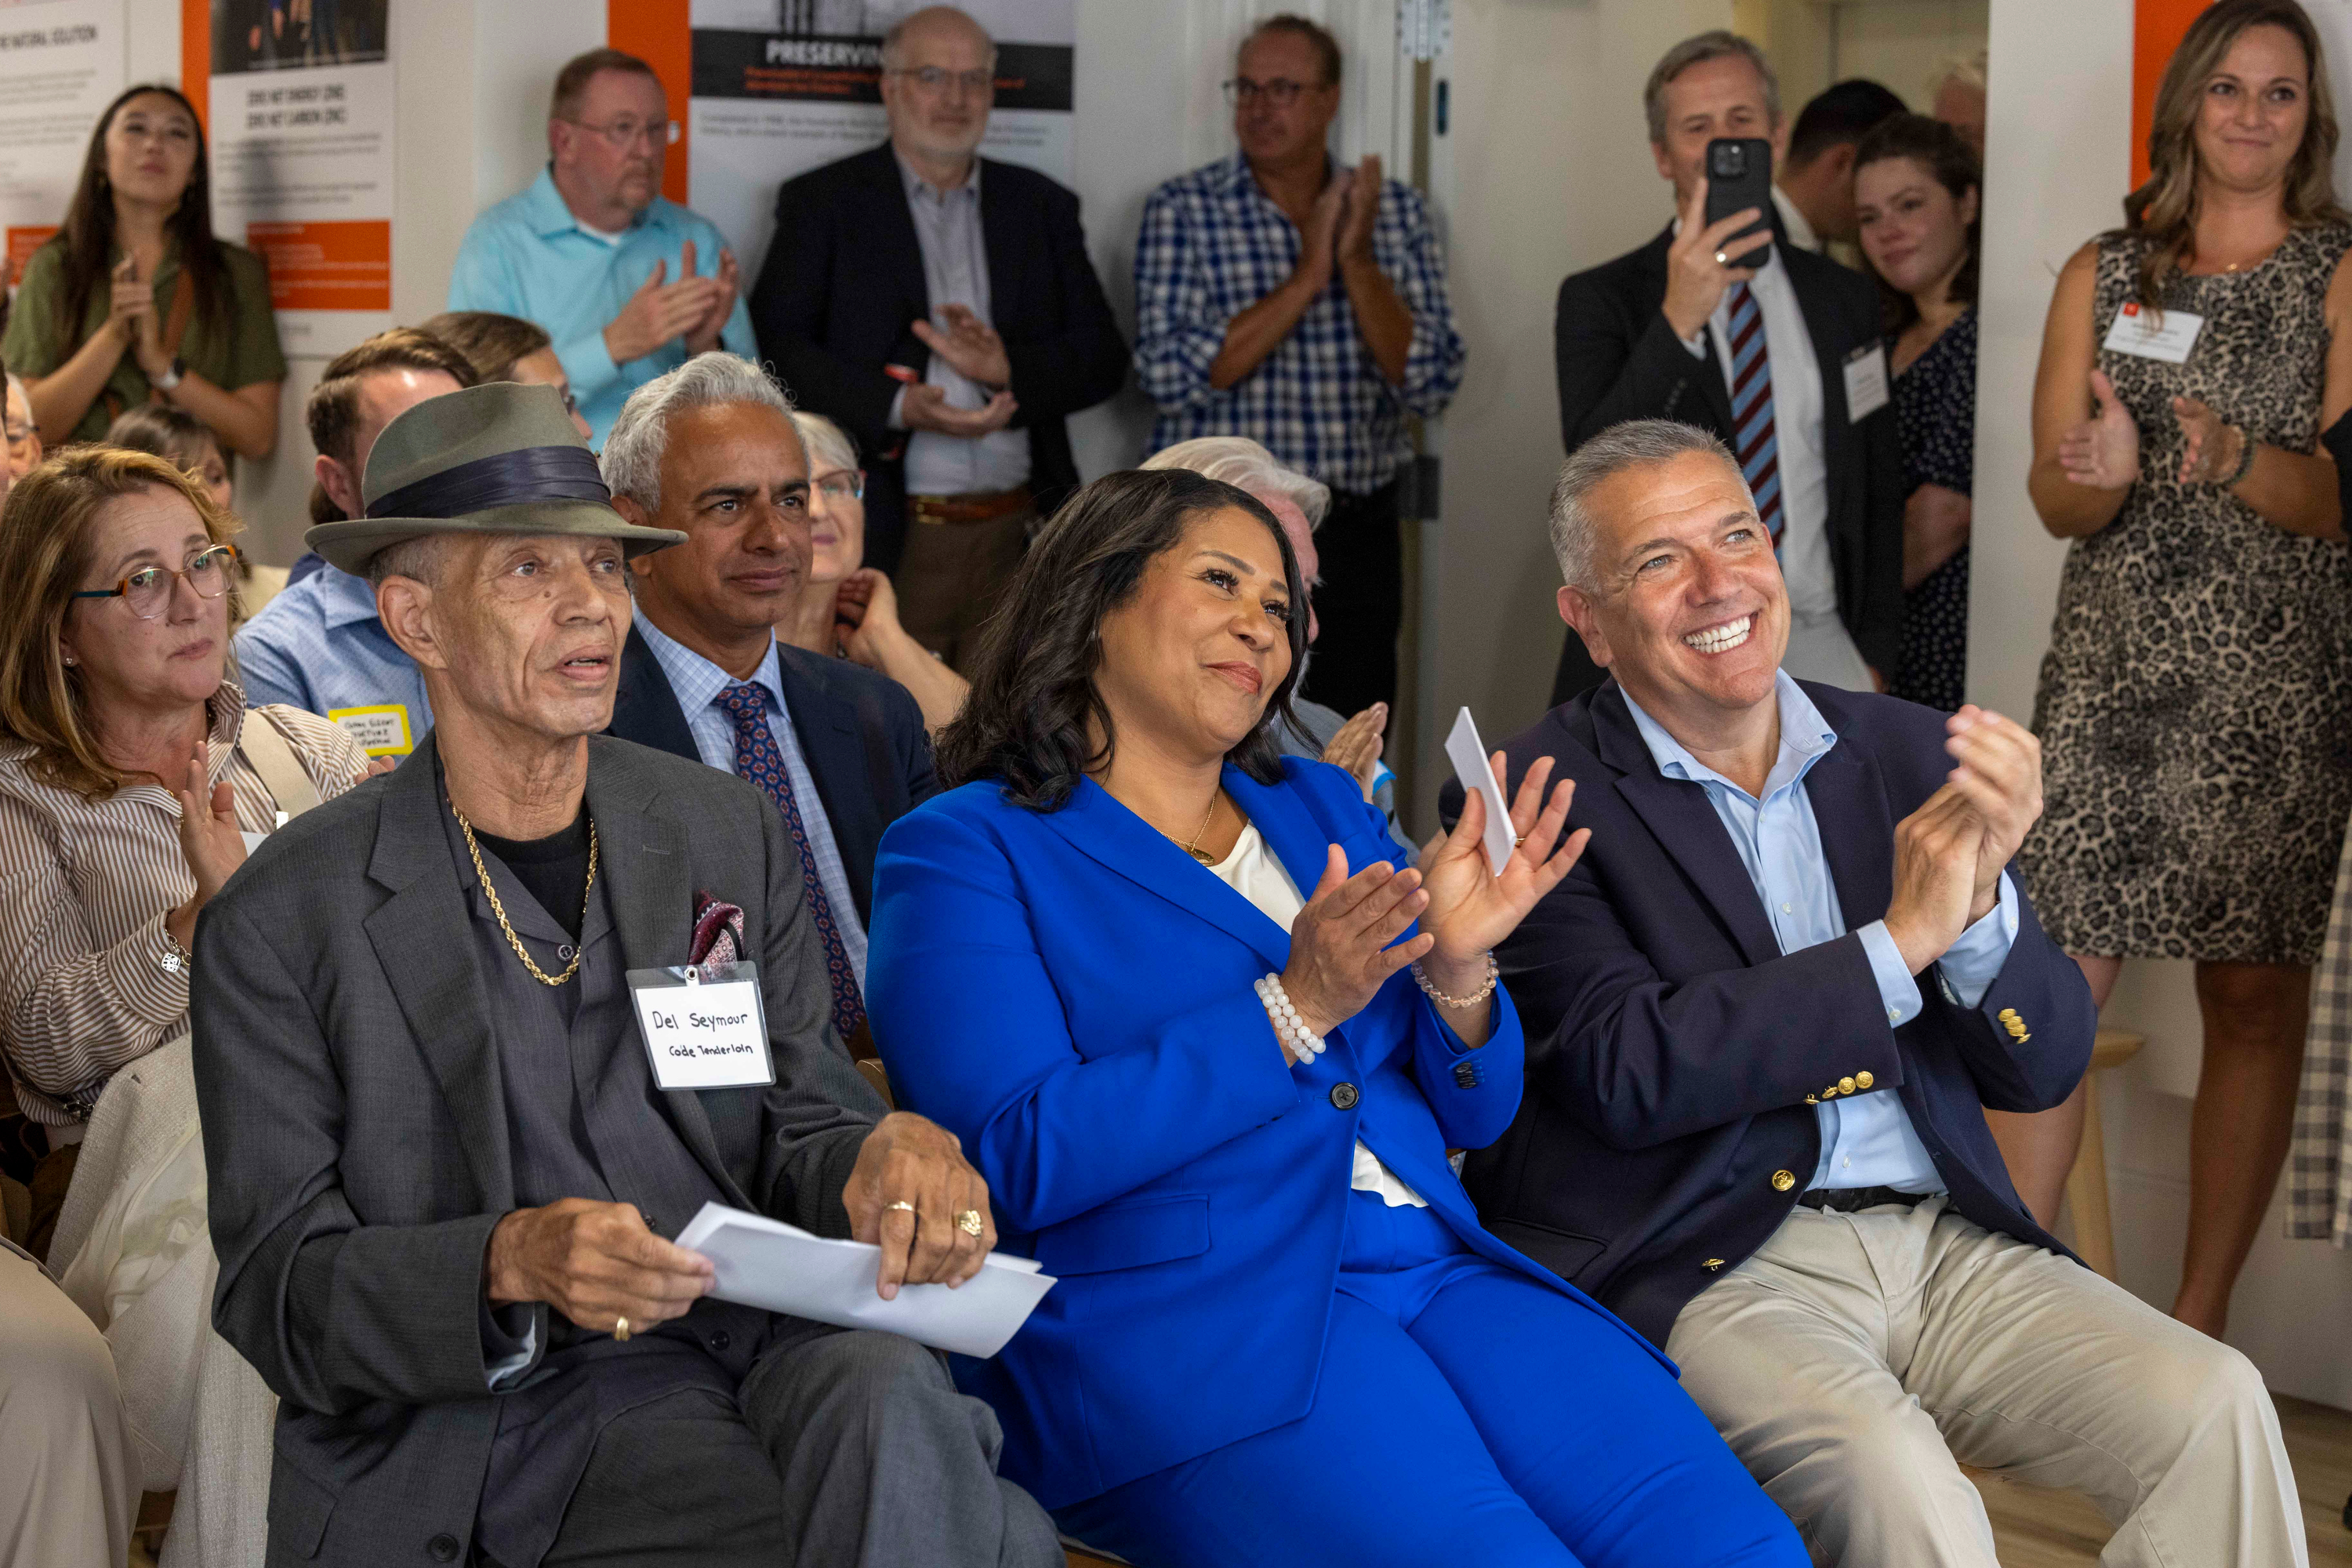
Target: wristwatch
176,959
169,378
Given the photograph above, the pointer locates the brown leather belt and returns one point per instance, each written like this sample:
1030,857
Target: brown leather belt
980,506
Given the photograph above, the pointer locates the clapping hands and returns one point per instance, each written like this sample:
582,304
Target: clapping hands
2102,453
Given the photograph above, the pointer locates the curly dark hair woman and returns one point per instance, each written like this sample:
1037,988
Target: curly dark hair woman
1035,719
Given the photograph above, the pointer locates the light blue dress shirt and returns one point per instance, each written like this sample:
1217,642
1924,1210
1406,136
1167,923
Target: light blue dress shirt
696,683
529,257
319,646
1867,1140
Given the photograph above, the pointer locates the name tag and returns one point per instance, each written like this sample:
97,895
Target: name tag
2167,335
704,1027
1865,382
381,731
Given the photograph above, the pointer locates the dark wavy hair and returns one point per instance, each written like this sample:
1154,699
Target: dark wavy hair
1034,710
87,235
1936,148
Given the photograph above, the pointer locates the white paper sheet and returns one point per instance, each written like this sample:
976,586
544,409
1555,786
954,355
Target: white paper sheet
765,1263
1470,766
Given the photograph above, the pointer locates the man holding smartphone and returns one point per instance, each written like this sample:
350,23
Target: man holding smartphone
1774,349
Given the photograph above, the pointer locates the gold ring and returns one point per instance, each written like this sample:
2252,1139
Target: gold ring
970,1222
901,1204
1721,259
621,1330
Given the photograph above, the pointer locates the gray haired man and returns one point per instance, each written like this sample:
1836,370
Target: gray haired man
446,1166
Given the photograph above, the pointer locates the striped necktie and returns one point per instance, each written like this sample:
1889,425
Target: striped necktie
1751,409
760,761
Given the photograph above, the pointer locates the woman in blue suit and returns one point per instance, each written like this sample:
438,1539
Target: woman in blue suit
1219,1107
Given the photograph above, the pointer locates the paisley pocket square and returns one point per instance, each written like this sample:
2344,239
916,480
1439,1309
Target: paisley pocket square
717,931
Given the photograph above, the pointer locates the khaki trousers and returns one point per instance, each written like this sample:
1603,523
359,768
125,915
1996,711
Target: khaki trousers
952,576
1856,1360
67,1487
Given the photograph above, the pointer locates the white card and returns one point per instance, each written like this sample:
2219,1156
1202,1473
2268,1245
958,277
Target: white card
1865,382
1470,766
703,1034
2167,335
381,731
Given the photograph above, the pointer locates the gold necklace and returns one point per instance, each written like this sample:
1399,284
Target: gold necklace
1193,847
500,910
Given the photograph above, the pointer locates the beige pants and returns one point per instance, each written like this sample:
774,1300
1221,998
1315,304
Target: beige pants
67,1487
1855,1358
952,576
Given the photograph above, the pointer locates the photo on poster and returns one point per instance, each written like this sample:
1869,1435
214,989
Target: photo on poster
291,34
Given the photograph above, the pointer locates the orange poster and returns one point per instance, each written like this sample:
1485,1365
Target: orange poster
2157,27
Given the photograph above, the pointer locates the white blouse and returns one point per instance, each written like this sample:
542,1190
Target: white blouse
1253,871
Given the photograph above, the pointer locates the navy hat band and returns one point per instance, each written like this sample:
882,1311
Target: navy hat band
503,479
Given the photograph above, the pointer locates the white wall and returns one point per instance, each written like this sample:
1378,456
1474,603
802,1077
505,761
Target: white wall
2062,80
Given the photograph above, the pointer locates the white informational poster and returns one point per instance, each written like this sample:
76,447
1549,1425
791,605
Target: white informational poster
61,63
782,86
302,161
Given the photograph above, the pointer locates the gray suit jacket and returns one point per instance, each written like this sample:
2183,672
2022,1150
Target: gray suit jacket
355,1126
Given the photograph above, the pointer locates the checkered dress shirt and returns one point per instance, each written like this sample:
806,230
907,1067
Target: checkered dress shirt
1213,245
2319,1170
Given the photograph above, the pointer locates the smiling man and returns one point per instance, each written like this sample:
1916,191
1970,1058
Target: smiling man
447,1171
711,451
1764,1016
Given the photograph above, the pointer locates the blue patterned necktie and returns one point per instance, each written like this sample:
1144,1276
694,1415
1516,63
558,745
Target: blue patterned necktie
1751,409
758,760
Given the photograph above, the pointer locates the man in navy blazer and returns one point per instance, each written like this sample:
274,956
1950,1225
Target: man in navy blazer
1764,1014
841,750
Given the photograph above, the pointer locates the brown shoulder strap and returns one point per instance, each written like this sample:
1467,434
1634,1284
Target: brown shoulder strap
272,756
176,320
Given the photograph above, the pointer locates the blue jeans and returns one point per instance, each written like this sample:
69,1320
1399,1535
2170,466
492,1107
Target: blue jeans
1463,1414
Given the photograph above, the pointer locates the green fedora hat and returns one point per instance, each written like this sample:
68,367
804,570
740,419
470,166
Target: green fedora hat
501,458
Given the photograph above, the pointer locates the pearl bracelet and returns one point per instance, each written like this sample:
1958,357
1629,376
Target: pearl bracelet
1304,1043
1493,973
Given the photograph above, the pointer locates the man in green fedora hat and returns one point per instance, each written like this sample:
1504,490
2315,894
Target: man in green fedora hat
447,1158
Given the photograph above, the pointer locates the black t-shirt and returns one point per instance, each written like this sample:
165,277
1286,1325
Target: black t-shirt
554,870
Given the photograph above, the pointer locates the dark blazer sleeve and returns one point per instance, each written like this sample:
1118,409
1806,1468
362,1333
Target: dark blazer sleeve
813,215
1081,359
1640,1059
1876,625
1616,360
332,1312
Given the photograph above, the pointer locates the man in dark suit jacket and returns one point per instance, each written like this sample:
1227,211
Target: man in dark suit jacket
710,450
1764,1016
447,1167
939,307
1657,334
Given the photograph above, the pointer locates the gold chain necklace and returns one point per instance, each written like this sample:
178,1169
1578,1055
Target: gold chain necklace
1192,844
500,910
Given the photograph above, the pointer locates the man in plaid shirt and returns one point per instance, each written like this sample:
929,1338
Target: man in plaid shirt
1283,298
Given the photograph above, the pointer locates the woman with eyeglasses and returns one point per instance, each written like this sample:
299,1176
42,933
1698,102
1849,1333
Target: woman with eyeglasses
506,348
136,300
846,608
132,775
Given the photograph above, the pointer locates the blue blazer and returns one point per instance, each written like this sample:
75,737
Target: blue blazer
1070,994
1675,1054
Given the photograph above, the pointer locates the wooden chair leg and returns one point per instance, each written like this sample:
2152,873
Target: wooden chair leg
2086,1188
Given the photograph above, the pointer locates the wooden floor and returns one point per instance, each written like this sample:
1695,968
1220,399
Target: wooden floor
2038,1529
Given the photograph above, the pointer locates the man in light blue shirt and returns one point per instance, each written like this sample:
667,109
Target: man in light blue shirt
627,283
1764,1016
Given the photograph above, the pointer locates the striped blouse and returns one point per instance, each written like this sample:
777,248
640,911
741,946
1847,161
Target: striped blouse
84,888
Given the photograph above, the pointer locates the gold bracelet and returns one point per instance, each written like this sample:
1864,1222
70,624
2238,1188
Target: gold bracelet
1493,973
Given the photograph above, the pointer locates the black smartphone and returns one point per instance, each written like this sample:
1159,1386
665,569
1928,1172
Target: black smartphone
1739,176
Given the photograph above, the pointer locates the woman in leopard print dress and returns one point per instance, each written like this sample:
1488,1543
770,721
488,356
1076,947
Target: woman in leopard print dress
2196,702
